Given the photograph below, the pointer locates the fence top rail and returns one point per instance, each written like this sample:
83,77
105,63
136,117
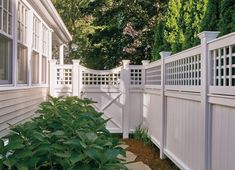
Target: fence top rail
135,66
153,64
223,41
88,70
184,54
67,66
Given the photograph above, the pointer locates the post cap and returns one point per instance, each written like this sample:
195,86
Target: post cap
145,62
165,54
76,61
126,62
209,35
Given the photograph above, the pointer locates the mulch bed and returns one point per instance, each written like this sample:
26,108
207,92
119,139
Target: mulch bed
149,155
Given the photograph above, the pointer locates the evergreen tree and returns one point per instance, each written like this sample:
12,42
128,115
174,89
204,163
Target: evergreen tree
171,24
227,16
210,22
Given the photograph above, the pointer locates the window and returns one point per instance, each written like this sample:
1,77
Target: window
5,60
36,24
6,16
35,68
44,70
22,64
45,40
22,57
22,22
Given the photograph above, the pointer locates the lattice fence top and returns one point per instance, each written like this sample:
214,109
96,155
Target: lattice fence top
185,71
101,77
64,75
223,66
136,75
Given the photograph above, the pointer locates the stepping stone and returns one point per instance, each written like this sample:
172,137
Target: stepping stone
137,166
123,146
130,157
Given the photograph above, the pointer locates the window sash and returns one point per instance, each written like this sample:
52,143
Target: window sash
44,70
22,64
35,68
6,16
6,60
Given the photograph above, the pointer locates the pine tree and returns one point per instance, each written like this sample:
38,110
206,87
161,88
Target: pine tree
227,17
211,19
159,42
171,32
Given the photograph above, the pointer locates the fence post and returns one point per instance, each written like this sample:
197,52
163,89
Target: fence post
125,87
53,75
76,79
163,55
205,37
144,63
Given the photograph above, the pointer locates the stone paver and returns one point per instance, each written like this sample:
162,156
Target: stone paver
123,146
130,157
137,166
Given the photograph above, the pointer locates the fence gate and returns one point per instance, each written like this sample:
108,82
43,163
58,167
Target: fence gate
104,88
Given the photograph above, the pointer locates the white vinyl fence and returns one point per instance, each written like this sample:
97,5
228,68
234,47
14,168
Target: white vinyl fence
186,100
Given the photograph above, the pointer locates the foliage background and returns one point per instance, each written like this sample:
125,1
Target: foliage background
107,31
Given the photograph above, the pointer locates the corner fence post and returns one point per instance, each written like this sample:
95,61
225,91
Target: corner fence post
205,37
125,89
53,76
76,78
164,55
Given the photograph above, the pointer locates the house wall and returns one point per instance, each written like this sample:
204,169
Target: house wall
18,106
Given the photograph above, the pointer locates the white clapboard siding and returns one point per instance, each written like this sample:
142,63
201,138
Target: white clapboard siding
18,106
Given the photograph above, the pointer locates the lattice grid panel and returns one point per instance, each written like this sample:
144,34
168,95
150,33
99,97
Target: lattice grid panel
136,76
153,76
186,71
101,78
64,76
223,66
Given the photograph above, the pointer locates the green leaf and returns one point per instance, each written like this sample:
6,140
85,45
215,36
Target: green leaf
58,133
91,136
76,157
16,144
93,154
21,167
39,136
75,142
63,154
23,153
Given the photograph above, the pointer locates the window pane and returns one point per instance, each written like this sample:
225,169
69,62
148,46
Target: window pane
35,68
5,4
9,24
4,21
0,17
10,6
22,64
6,60
44,70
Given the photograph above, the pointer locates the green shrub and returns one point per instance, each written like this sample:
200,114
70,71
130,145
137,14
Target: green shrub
141,134
69,134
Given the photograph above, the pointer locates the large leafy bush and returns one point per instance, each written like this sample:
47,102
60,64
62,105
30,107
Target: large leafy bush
69,134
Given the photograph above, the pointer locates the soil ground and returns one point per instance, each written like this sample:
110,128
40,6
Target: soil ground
149,155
